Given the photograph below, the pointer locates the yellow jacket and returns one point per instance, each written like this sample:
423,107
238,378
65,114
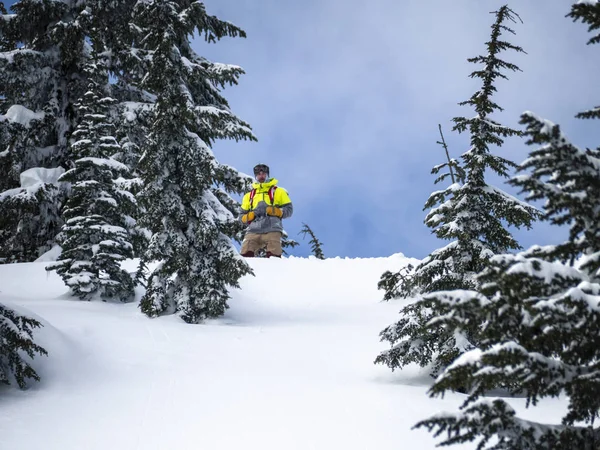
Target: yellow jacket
281,199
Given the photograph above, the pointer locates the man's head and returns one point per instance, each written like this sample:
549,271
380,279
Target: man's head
261,172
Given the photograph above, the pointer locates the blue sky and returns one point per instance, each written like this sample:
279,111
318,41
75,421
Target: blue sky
345,98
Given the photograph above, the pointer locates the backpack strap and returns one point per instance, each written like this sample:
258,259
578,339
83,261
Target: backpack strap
272,195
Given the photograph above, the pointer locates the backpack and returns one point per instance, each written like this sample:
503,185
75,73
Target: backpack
271,196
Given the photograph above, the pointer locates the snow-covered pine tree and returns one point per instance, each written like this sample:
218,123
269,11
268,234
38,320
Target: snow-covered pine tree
406,282
30,215
5,46
16,341
51,36
186,197
5,140
541,313
40,74
541,308
95,238
132,129
588,12
4,12
315,244
134,116
472,215
133,112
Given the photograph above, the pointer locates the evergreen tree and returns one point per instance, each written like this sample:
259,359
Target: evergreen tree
130,136
471,214
133,113
186,198
405,282
41,55
44,47
30,215
5,46
95,238
540,315
316,245
541,308
16,341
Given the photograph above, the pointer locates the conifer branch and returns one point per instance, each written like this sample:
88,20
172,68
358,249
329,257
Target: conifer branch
316,245
588,13
287,243
16,340
443,144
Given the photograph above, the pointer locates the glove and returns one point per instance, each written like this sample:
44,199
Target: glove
259,211
247,218
274,211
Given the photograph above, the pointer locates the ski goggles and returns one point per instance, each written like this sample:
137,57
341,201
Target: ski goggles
261,168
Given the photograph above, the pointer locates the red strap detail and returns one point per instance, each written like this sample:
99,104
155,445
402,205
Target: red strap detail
272,194
252,194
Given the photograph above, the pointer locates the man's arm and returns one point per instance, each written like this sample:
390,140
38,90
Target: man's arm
282,199
287,210
244,209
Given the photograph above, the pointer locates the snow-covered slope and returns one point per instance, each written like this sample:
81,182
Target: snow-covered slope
290,366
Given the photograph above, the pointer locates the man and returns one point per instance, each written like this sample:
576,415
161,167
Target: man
263,208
